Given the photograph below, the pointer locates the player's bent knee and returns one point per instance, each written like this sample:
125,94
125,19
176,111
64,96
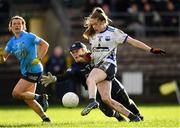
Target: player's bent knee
16,95
89,81
106,99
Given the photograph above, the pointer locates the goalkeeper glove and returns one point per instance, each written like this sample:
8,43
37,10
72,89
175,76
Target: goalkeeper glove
36,61
87,57
46,80
157,51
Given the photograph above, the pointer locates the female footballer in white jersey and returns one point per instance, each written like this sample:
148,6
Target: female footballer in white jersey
104,39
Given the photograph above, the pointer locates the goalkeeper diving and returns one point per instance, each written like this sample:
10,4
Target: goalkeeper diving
79,72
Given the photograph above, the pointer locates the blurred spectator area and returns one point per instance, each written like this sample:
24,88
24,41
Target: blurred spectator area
142,18
57,64
4,15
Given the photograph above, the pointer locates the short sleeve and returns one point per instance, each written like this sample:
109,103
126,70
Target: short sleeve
8,47
36,39
120,36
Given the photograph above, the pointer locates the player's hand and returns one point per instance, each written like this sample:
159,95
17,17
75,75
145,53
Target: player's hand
1,56
36,61
87,57
1,51
157,51
46,80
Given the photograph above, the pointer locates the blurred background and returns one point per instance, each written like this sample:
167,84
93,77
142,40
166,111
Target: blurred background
60,23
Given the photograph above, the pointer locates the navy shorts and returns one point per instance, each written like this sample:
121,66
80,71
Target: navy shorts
32,77
109,68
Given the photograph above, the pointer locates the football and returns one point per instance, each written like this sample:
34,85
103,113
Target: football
70,100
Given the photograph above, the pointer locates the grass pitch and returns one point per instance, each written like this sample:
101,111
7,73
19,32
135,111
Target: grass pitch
156,116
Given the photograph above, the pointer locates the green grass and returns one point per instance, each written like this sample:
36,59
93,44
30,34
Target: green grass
156,116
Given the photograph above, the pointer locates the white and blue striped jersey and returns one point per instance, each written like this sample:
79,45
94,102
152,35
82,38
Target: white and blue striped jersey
102,43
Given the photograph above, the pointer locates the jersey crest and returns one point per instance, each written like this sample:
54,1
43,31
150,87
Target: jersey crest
107,38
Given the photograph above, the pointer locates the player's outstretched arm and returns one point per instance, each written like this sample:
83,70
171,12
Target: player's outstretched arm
46,80
145,47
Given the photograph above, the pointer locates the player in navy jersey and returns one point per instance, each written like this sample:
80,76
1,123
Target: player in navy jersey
24,46
104,40
79,72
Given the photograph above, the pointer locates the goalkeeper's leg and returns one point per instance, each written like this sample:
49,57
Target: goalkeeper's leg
119,94
128,103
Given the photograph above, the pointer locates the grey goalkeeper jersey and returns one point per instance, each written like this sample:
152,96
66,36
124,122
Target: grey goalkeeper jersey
104,44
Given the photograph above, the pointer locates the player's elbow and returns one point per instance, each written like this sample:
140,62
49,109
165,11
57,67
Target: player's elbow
44,45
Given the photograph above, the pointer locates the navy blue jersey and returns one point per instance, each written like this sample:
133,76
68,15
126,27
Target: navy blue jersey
78,72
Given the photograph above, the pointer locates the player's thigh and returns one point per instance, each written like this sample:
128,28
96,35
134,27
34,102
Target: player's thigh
104,89
32,88
22,86
97,75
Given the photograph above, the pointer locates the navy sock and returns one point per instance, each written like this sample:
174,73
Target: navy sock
44,116
37,96
118,116
131,116
92,100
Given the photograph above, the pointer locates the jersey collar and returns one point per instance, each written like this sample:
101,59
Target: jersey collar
104,29
20,35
